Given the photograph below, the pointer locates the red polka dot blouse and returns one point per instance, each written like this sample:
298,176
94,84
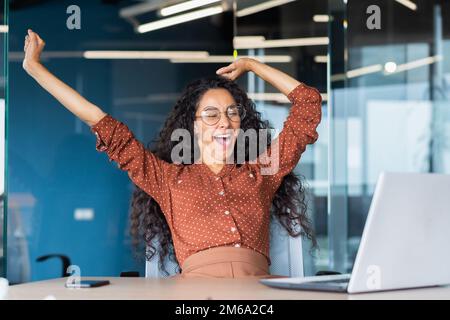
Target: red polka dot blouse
204,209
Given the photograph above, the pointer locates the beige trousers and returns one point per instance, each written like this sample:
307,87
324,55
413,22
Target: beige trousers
226,262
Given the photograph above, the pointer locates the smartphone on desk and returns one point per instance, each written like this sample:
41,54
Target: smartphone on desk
87,284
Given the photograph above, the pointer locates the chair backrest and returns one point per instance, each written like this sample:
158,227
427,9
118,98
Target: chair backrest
286,252
286,256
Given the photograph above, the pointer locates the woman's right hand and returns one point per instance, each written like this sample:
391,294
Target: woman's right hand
33,47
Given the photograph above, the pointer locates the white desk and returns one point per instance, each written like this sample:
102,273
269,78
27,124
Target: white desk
199,289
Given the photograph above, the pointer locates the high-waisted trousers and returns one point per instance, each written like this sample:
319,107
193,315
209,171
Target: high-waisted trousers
226,262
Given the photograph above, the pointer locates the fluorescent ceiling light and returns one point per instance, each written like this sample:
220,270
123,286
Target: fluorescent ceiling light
321,59
390,67
295,42
321,18
229,59
416,64
185,6
4,28
163,23
145,54
261,7
338,77
239,41
364,70
409,4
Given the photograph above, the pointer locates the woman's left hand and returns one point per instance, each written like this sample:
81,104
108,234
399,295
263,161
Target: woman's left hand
236,69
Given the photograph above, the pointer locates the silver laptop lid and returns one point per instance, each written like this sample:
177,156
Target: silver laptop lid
406,238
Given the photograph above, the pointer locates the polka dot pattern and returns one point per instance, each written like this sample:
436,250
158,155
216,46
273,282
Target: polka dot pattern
206,209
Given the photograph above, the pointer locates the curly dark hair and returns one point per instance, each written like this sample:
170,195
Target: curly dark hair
148,224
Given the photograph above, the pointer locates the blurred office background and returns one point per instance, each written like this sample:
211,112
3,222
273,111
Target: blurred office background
382,72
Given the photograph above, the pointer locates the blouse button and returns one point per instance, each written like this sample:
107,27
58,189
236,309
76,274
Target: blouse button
237,245
227,212
251,175
179,181
221,193
217,178
233,229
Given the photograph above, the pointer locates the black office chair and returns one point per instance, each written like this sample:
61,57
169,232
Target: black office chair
64,259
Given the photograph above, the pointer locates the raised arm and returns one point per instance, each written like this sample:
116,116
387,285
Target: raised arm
69,98
280,80
300,127
114,138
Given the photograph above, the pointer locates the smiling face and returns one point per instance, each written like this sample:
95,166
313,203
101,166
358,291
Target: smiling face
216,141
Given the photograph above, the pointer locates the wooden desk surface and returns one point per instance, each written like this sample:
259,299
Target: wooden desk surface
198,289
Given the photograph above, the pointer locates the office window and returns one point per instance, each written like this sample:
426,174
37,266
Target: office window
389,96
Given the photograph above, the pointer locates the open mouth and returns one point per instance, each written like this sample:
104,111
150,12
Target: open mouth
223,139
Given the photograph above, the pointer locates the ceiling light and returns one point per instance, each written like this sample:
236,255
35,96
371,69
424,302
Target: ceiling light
364,70
345,23
261,7
295,42
229,59
167,22
185,6
321,18
390,67
409,4
145,54
416,64
240,41
321,59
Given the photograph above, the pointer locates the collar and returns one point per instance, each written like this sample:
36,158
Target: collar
226,169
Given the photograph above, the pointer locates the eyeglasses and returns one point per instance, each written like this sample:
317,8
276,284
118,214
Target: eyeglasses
211,115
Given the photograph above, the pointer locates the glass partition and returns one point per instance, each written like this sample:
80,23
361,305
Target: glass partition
388,94
3,141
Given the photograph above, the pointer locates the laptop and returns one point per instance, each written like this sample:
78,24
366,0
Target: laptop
405,242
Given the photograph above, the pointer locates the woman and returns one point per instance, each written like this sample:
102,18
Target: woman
213,209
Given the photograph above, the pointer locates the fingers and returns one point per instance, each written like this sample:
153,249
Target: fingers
32,34
40,40
26,43
32,38
35,37
226,69
230,75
